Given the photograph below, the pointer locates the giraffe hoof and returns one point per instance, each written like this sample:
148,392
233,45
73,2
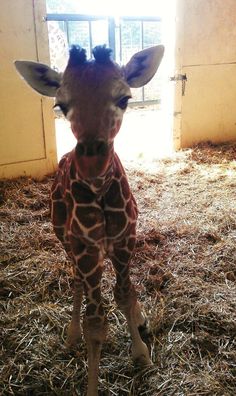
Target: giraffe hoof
142,361
140,355
71,342
72,345
73,338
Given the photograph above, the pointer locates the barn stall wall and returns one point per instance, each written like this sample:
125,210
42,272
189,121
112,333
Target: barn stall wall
27,132
206,53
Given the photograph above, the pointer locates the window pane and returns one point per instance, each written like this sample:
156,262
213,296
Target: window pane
131,40
58,45
151,33
99,32
78,32
152,36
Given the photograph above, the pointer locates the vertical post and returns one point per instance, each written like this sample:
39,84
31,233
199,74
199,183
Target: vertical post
67,32
111,36
120,40
90,38
142,44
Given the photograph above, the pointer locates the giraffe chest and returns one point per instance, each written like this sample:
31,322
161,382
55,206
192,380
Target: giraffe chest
100,219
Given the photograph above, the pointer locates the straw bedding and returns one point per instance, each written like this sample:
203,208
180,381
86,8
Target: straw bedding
184,268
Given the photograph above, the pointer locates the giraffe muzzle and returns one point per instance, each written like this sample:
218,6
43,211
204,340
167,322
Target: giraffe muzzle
96,148
93,158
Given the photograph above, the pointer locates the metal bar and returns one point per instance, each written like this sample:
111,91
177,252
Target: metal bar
142,41
111,36
67,32
90,38
120,38
150,102
142,34
141,18
74,17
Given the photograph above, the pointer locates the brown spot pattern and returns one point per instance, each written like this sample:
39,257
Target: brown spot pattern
97,233
81,194
115,223
76,245
125,187
113,197
56,194
89,216
86,263
75,228
59,213
94,279
122,255
91,309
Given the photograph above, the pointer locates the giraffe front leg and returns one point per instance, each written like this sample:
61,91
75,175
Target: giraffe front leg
74,329
95,330
125,296
94,324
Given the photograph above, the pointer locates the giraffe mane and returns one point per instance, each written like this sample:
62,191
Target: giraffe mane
77,56
102,54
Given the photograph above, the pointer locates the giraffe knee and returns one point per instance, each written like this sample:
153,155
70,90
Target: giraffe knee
73,334
95,329
125,296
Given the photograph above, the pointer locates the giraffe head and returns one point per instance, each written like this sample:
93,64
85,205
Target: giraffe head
93,95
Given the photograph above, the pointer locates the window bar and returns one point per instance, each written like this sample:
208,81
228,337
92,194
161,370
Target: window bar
142,44
120,41
111,36
90,38
67,32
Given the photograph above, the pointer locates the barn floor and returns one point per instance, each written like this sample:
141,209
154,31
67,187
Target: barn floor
184,268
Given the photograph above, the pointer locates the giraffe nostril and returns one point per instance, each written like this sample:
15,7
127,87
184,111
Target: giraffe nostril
101,148
90,150
97,148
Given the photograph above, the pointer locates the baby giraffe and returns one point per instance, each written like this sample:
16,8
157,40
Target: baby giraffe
93,210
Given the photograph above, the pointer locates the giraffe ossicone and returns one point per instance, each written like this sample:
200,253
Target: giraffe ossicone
93,210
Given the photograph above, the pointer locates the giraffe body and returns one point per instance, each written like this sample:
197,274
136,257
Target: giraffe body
94,213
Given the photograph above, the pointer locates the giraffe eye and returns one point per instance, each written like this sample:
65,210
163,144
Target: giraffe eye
62,107
123,102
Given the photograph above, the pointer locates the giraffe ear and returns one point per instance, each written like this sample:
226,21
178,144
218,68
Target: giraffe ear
40,77
143,65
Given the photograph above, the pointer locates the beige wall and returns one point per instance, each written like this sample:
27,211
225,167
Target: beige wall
27,135
206,52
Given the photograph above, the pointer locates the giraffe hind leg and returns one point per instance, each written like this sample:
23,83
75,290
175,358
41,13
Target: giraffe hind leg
133,313
126,299
143,325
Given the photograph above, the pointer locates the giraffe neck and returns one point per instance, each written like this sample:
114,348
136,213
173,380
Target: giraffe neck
100,184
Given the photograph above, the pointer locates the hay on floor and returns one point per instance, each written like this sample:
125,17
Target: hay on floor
184,268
